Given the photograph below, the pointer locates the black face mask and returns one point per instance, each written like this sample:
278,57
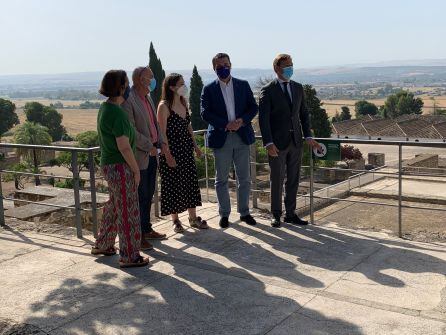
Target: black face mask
126,93
223,72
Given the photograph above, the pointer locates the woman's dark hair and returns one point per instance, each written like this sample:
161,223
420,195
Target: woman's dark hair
112,83
167,94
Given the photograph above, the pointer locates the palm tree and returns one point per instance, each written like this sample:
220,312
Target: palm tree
32,133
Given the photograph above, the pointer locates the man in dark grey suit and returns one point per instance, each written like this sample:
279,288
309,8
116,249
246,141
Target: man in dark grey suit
284,121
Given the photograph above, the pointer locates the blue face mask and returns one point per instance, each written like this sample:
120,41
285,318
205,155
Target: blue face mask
223,72
126,93
152,85
287,72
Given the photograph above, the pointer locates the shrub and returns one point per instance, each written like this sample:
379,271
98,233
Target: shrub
68,183
350,152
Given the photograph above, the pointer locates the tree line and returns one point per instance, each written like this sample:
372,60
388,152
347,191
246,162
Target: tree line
397,104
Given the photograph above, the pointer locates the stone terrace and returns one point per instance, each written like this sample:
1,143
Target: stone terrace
322,279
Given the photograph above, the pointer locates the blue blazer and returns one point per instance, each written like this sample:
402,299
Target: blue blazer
213,111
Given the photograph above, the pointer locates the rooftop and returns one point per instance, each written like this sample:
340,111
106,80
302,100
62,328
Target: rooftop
406,126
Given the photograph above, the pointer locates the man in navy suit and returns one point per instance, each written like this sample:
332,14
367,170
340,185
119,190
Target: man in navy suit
228,106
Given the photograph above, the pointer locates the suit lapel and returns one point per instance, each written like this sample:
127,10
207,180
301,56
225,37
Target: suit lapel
152,104
139,104
236,87
282,93
279,88
297,98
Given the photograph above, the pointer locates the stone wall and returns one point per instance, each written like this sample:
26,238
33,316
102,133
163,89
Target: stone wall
422,160
29,197
423,164
67,217
376,159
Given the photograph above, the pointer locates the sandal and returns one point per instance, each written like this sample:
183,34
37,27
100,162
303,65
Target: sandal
107,252
198,222
178,228
140,261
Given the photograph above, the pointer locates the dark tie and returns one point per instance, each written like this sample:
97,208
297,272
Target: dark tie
288,98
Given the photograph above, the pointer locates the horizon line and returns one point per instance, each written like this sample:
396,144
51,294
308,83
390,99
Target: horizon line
351,65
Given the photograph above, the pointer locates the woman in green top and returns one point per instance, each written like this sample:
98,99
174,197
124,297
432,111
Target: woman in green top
118,163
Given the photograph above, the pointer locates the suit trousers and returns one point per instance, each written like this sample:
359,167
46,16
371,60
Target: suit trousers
146,191
234,152
287,164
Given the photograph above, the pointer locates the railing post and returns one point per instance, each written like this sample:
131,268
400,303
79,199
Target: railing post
2,210
311,187
77,203
206,165
94,210
253,163
400,190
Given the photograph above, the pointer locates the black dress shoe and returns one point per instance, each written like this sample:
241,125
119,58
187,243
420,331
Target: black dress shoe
248,219
224,222
296,220
275,222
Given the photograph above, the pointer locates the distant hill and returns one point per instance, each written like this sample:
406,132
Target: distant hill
424,72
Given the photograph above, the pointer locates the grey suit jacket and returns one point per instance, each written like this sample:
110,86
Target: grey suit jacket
140,120
277,120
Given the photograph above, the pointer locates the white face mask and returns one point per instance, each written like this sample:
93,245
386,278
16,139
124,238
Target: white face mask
182,91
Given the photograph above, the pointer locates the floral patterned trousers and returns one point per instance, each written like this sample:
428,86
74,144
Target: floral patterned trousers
121,213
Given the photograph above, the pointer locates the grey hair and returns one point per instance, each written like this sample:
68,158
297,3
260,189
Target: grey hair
136,75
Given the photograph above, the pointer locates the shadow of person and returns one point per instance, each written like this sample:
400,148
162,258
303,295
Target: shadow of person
252,257
336,251
189,301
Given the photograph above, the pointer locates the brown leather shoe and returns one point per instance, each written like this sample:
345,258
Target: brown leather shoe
145,245
153,235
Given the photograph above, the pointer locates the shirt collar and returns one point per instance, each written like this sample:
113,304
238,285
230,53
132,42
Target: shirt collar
142,97
282,81
223,84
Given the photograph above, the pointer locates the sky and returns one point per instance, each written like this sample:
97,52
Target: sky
62,36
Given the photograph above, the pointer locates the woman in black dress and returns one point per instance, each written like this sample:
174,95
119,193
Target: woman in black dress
179,182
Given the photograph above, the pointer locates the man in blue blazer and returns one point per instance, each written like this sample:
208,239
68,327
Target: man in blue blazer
228,106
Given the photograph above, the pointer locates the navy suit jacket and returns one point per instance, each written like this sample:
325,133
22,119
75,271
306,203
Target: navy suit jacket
213,111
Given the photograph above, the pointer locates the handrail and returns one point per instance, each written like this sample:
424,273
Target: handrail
312,167
48,147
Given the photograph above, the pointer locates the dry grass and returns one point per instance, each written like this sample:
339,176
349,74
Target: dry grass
75,120
80,120
20,103
332,106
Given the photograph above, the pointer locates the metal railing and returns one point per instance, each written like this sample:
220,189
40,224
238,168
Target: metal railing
399,174
75,177
312,167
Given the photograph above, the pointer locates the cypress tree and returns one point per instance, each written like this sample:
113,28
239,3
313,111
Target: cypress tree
196,86
158,73
319,118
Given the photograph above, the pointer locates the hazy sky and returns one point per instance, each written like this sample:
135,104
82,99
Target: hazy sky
56,36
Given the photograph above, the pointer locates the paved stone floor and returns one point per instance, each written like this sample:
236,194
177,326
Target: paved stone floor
323,279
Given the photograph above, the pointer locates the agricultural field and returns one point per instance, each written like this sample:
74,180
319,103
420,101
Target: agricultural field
331,106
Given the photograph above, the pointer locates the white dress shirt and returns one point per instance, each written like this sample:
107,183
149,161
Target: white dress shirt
228,95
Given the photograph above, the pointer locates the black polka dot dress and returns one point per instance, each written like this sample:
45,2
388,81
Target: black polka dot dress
179,185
